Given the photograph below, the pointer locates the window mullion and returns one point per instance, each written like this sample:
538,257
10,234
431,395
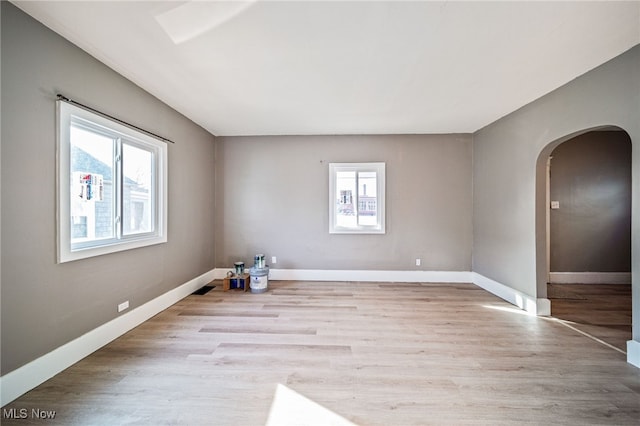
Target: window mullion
356,205
118,188
107,204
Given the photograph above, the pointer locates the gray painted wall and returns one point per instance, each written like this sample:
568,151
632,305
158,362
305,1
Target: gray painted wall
509,161
429,185
591,179
273,199
45,305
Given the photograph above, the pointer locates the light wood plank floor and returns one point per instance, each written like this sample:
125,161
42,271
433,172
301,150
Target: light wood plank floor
375,354
602,310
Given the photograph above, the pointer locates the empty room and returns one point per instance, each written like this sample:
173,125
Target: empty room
320,212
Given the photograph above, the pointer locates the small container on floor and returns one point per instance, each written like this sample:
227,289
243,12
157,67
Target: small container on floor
259,279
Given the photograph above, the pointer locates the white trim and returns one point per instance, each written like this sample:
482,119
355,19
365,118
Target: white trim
370,276
220,273
590,277
633,353
379,168
530,304
543,307
523,301
68,116
27,377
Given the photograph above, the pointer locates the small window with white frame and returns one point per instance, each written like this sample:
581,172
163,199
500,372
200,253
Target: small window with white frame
112,185
356,198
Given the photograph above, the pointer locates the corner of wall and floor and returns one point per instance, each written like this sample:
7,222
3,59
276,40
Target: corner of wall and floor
19,381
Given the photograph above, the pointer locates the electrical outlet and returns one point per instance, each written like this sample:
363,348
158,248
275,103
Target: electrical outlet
418,262
123,306
274,260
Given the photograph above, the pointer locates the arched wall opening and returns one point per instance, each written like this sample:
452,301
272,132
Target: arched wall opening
543,216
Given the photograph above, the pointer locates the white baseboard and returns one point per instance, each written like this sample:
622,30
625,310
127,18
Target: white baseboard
590,277
220,273
633,353
530,304
370,276
523,301
27,377
543,307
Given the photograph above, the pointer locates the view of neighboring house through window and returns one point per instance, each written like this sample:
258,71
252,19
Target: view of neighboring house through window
137,166
92,196
356,192
112,186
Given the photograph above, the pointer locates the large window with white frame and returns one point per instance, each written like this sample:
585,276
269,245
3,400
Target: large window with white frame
112,186
356,198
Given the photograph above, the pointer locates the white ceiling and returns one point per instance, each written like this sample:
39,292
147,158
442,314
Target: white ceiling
332,67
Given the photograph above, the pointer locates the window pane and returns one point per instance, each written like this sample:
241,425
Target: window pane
112,186
367,199
356,198
346,197
92,199
137,203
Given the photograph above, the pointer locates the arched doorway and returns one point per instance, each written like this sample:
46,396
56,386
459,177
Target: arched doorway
584,210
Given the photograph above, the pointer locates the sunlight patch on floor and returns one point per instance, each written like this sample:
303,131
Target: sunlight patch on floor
518,311
289,408
566,323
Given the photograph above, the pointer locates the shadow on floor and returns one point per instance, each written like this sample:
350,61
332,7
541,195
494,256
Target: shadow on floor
602,310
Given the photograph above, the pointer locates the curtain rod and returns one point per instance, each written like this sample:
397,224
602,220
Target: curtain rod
71,101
